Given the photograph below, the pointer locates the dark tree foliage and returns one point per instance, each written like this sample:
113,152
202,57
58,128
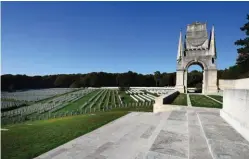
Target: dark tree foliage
123,88
194,77
243,51
241,68
157,77
94,79
75,84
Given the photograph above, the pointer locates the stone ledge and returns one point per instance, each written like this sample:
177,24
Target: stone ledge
162,102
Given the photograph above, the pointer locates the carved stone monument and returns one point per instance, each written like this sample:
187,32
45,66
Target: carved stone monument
197,49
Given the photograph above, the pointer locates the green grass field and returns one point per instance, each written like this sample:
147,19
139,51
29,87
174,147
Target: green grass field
219,98
181,99
136,109
127,98
47,99
30,139
77,104
203,101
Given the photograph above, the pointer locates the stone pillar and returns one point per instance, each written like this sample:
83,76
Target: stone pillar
180,81
204,82
185,78
211,86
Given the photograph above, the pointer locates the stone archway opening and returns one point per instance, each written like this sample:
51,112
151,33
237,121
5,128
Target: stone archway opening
194,78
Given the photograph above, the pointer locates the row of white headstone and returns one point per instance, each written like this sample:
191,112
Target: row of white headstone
35,95
99,98
142,97
9,104
51,104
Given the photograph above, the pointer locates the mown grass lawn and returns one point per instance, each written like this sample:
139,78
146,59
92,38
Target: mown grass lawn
203,101
28,140
77,104
138,109
126,97
55,96
219,98
181,99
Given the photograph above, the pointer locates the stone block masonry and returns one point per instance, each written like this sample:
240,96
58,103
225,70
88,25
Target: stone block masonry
236,110
234,84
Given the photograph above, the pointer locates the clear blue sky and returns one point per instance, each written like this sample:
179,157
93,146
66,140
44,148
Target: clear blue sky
41,38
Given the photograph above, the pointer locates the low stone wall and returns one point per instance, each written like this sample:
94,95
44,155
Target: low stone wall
170,97
234,84
236,110
162,102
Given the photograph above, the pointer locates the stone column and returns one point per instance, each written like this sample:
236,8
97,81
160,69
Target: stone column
204,82
185,78
180,81
211,86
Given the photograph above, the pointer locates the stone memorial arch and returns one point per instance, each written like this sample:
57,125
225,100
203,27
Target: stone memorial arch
197,49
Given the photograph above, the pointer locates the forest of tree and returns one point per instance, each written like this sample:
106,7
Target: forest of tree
99,79
94,79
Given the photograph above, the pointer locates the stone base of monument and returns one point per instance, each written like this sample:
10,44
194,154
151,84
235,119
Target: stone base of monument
212,90
180,88
236,110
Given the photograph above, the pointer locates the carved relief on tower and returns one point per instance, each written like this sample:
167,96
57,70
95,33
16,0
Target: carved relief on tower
197,36
195,53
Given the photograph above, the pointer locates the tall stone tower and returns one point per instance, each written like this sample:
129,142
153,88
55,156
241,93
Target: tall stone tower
197,49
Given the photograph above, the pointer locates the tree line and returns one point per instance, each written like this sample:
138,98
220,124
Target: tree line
95,79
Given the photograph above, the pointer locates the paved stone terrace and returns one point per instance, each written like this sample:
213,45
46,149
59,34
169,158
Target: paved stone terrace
185,133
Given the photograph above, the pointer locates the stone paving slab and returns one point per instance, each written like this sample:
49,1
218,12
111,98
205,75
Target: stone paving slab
178,115
185,133
176,126
171,143
209,118
223,133
155,155
224,150
198,147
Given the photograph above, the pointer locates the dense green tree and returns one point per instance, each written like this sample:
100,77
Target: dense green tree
194,77
101,79
243,51
157,77
241,68
63,81
75,84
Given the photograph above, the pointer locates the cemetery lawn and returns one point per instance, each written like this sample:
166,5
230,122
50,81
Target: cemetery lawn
154,94
219,98
181,99
30,139
126,97
49,98
10,100
136,109
203,101
77,104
